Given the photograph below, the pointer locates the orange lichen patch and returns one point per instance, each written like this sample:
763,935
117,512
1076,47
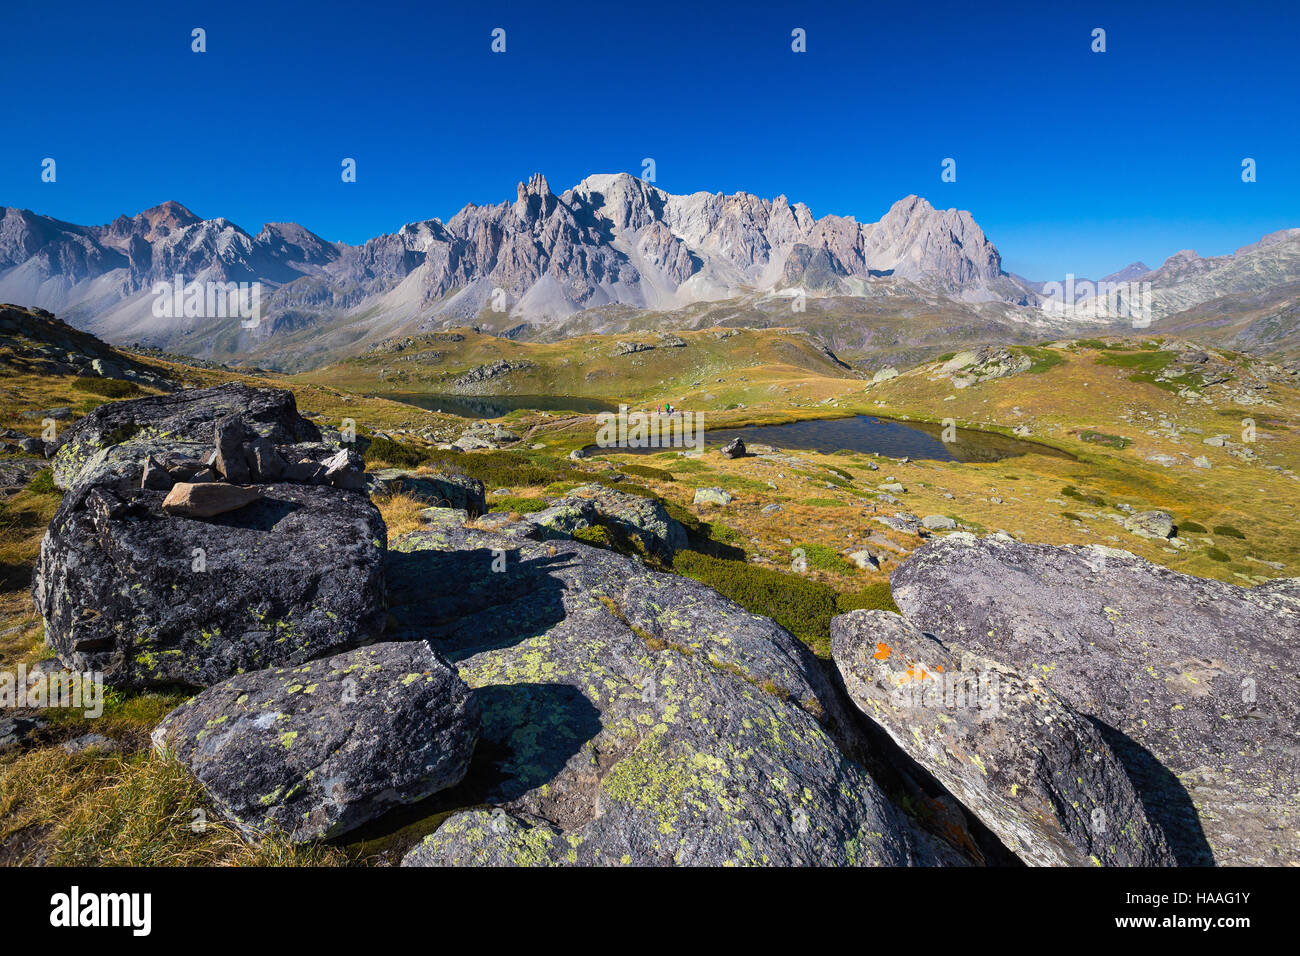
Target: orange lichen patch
916,672
882,652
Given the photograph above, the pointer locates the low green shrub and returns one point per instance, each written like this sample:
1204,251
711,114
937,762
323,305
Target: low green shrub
1072,492
521,506
596,535
502,469
802,606
387,451
874,597
106,387
1228,531
822,558
42,483
1041,359
645,471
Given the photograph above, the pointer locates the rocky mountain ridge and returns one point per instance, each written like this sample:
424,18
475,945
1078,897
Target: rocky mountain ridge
609,240
549,265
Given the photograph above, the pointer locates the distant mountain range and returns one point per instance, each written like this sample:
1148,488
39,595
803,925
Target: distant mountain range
547,265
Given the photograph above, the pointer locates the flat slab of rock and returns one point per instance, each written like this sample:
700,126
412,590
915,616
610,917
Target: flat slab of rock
207,499
635,717
939,523
1037,773
112,442
1193,681
149,598
317,750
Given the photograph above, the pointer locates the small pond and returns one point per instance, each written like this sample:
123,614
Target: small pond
871,435
494,406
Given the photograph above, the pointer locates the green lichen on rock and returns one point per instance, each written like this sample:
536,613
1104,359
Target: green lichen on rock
633,716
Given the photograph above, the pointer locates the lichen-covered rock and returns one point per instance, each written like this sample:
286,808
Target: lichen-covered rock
1036,773
437,489
111,444
972,366
316,750
711,496
642,519
229,436
15,473
634,717
1193,682
149,598
1151,524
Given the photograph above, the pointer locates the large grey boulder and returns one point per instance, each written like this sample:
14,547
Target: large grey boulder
1151,524
1037,773
634,717
1192,682
637,518
436,488
734,448
311,752
16,473
711,496
149,598
111,444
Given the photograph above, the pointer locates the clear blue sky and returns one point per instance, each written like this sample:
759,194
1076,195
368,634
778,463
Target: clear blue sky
1070,160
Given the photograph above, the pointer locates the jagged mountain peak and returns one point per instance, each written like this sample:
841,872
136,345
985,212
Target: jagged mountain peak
611,239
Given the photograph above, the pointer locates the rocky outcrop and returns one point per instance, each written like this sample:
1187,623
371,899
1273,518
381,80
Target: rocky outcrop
609,240
469,381
34,341
983,364
111,443
1192,682
435,488
634,517
634,717
1034,771
1151,524
485,435
314,751
149,598
15,473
